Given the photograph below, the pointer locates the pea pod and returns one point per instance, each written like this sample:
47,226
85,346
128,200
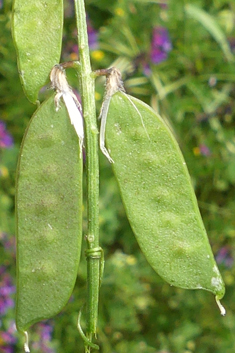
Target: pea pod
158,196
37,33
49,215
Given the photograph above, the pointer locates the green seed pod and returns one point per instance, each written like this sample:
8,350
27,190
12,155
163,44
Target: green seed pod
48,214
158,196
37,32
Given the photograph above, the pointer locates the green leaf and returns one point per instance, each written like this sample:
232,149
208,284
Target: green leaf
49,215
210,24
158,196
37,33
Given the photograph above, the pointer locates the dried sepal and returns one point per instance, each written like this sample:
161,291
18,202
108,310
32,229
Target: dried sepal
63,90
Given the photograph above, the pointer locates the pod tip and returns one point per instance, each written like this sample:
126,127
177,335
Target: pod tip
26,342
222,309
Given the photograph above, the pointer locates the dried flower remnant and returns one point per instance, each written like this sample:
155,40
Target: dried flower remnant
63,90
6,140
113,84
161,45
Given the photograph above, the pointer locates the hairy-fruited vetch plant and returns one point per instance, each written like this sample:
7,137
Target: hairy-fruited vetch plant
147,162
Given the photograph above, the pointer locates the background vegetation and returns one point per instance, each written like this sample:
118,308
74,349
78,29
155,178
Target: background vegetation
177,56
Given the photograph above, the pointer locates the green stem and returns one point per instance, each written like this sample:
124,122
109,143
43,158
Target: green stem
92,168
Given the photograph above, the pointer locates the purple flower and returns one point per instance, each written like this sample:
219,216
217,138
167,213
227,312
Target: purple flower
69,9
7,349
204,150
224,257
163,5
6,139
6,289
8,243
44,330
71,49
232,44
212,81
92,36
8,339
146,69
161,45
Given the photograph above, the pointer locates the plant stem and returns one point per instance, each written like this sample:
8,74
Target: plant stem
92,168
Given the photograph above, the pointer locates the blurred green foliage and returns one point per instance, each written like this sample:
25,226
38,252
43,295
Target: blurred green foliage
194,91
